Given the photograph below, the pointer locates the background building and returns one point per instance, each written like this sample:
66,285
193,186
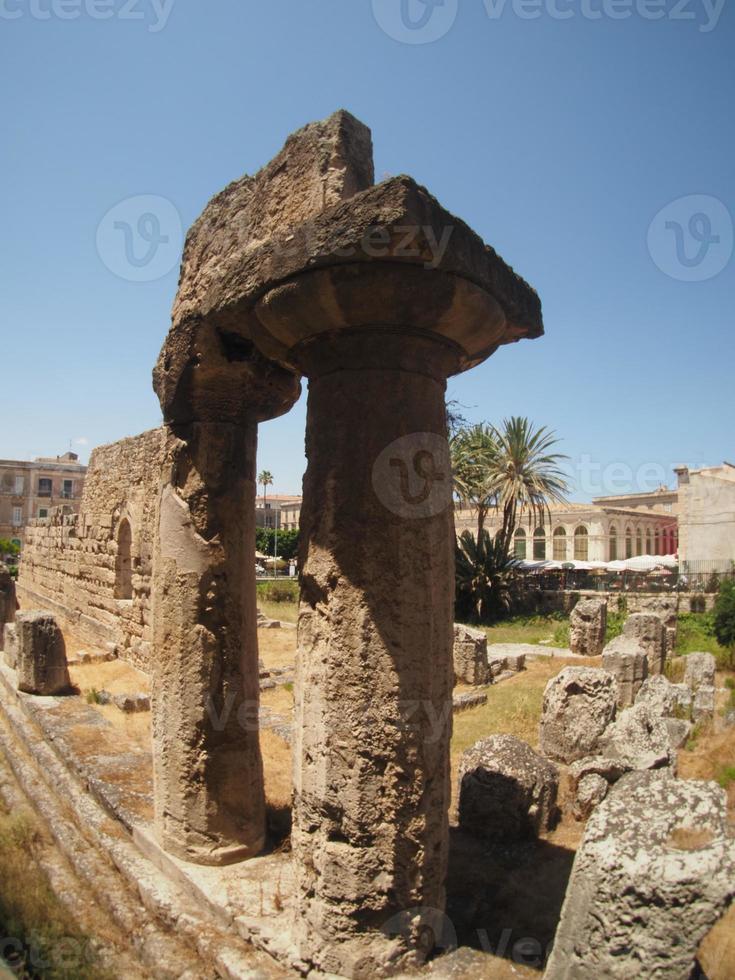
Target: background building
707,518
272,514
30,489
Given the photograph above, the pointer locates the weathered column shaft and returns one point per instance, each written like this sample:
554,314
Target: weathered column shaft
208,779
374,676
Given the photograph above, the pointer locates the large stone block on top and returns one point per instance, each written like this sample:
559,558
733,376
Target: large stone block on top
506,790
625,658
41,661
10,645
470,656
588,623
648,630
654,873
579,703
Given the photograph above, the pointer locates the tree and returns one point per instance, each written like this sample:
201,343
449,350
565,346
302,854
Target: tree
484,577
527,476
265,479
9,548
724,617
473,453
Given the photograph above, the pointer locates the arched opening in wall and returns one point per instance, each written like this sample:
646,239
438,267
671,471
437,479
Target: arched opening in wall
649,542
639,541
613,546
560,544
539,544
657,542
124,562
629,542
581,544
519,543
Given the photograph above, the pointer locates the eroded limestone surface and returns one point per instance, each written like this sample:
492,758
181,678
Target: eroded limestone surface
588,622
41,657
655,871
579,703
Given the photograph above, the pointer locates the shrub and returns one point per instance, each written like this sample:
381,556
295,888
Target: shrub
615,622
484,579
278,591
726,775
724,620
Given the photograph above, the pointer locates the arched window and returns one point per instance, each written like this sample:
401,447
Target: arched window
123,562
657,545
519,543
649,542
560,544
581,544
629,542
613,543
638,541
539,544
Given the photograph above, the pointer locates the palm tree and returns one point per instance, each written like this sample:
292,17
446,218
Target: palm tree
484,577
265,479
473,451
527,476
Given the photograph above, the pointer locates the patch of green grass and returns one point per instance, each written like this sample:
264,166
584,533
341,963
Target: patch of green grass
528,629
693,736
93,696
42,941
696,632
615,622
726,776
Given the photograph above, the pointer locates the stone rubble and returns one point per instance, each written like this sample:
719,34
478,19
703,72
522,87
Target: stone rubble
579,703
654,873
506,790
470,656
627,660
649,631
41,659
588,623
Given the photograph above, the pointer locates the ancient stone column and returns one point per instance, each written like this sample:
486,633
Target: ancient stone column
208,779
375,669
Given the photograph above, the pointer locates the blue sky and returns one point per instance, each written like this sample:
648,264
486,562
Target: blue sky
559,140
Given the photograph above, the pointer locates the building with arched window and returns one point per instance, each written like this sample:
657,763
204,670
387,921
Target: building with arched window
589,532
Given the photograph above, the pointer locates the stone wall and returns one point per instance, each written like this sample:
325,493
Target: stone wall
74,564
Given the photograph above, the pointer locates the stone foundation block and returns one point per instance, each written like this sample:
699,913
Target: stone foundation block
41,665
470,656
579,703
506,790
648,630
655,871
588,623
699,670
627,660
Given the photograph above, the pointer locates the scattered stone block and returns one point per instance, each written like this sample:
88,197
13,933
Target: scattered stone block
470,656
132,703
8,601
579,703
506,790
463,702
648,630
654,873
10,645
638,739
665,699
626,659
679,730
41,664
591,791
703,706
588,623
699,671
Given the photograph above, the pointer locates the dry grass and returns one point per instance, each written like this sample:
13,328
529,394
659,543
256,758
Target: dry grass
285,611
31,914
277,766
277,648
114,676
